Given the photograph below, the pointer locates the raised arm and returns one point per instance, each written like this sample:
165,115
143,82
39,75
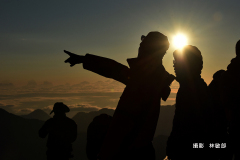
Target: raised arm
100,65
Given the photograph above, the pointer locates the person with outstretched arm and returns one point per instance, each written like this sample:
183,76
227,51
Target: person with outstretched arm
134,121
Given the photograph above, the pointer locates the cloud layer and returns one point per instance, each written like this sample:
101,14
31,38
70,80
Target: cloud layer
84,96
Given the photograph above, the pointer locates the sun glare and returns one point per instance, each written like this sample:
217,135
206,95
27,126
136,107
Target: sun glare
179,41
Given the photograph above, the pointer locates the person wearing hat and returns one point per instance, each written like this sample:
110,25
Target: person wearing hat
134,121
190,119
61,131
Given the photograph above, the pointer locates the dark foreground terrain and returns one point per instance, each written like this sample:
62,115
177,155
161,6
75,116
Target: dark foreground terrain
19,134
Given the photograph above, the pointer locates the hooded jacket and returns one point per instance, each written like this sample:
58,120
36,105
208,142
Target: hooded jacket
135,118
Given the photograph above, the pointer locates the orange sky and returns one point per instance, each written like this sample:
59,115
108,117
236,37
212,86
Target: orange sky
34,35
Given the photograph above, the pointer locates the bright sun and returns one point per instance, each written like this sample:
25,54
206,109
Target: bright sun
180,41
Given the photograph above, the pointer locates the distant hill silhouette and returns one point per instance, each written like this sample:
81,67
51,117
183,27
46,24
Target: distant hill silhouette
84,119
164,126
163,130
37,114
19,139
19,136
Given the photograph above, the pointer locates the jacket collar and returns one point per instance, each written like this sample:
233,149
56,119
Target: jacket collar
139,63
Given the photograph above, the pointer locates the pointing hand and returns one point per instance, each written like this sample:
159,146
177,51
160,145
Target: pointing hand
74,58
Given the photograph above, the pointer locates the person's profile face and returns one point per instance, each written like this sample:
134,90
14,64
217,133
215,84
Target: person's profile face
178,63
140,48
143,49
178,68
140,51
175,66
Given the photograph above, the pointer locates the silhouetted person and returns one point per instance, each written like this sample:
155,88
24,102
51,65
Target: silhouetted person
232,85
61,131
218,124
229,98
134,121
96,133
189,119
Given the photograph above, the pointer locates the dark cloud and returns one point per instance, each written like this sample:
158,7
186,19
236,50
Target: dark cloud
31,84
47,109
25,110
6,85
81,84
46,84
8,108
83,108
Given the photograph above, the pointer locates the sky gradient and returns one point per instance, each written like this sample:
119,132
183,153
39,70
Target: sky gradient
33,35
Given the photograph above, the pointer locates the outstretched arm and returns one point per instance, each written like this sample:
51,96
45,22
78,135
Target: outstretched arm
100,65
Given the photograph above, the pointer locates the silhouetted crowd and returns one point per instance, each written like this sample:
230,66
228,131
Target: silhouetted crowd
206,121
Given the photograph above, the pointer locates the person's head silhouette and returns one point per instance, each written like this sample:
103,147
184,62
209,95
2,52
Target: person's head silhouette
187,62
60,108
155,43
238,48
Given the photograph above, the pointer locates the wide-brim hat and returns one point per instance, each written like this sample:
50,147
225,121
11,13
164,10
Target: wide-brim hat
60,107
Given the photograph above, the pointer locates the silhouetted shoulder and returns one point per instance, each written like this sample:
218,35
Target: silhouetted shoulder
234,67
50,120
70,121
218,74
214,86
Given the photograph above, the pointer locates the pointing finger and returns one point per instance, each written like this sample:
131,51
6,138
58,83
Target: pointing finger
69,53
67,60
